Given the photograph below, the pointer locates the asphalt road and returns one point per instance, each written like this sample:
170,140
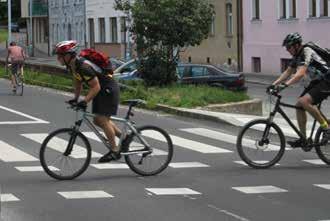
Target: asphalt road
211,186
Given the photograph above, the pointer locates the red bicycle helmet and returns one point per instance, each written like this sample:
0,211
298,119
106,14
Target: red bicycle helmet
65,47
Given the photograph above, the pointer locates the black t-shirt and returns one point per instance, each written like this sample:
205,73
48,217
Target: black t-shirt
316,66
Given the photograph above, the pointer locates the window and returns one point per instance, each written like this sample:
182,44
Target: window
324,8
255,10
256,64
212,27
288,9
180,71
197,71
91,32
229,19
102,30
69,32
312,8
123,29
113,30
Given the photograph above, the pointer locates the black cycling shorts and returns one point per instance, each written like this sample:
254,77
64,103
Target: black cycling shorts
315,89
15,66
107,100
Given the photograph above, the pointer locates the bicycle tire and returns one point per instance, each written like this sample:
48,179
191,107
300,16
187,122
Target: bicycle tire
323,151
78,154
266,151
19,84
155,137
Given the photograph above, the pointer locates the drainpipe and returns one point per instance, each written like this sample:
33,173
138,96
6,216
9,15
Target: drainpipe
240,35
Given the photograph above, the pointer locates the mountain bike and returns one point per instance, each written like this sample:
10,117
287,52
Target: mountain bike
147,151
261,143
18,78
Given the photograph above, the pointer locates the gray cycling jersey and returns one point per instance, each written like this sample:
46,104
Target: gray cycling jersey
316,66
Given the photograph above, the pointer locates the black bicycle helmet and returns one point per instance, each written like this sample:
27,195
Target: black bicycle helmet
291,39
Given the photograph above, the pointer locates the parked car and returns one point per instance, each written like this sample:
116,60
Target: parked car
210,75
14,27
116,63
133,75
126,68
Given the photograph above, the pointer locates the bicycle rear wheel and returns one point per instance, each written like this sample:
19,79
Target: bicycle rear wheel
65,154
154,163
19,84
258,150
323,151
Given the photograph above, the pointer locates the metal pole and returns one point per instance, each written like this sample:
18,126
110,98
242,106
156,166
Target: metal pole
31,29
128,36
9,21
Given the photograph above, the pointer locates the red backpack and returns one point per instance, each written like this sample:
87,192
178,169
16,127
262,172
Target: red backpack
96,57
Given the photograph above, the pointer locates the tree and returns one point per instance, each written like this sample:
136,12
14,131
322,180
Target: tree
15,10
162,28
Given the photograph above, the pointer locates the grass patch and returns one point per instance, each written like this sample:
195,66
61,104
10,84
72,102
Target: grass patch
176,95
3,35
43,79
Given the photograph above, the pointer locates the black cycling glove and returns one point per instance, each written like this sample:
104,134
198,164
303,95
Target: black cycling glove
281,87
82,105
72,102
270,87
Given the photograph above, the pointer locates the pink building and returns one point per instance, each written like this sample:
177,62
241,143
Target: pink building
267,22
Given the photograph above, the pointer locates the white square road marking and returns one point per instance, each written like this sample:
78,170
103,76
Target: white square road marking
315,162
188,165
106,166
258,161
259,189
8,198
85,194
324,186
172,191
35,168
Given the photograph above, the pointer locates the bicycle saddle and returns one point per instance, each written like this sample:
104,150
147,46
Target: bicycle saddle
134,102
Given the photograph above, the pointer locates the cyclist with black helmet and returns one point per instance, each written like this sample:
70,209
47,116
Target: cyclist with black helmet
306,63
103,91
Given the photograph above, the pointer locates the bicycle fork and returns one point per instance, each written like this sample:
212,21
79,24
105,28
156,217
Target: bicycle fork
72,139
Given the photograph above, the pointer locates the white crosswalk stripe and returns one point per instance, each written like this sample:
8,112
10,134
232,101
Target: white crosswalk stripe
9,153
85,194
172,191
188,144
8,197
59,144
226,137
259,189
155,152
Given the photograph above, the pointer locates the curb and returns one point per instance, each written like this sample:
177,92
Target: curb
185,113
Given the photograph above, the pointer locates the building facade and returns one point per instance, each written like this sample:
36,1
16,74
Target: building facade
107,29
221,47
40,29
267,22
67,21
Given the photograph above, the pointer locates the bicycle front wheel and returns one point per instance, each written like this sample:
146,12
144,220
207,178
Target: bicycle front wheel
65,154
260,144
322,150
19,84
162,151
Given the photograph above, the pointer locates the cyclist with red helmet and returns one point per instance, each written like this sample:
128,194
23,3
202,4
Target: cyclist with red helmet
103,91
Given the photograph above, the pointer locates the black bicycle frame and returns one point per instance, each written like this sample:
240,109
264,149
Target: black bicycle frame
278,109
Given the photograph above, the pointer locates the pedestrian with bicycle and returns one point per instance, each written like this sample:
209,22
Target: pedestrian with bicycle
306,63
103,92
17,56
